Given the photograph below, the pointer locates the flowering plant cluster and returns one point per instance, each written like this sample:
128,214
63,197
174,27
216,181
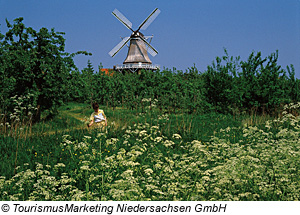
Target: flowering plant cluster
22,110
144,164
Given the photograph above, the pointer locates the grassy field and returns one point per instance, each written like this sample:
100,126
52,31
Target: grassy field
152,156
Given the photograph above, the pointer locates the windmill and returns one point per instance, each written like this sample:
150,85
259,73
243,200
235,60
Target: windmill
137,56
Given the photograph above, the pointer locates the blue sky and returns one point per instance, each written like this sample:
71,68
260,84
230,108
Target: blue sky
185,32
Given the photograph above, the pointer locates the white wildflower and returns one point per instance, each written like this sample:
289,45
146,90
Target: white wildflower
158,139
127,173
168,143
85,168
143,133
59,165
176,136
112,141
148,171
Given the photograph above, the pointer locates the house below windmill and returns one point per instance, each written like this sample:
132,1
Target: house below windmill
108,71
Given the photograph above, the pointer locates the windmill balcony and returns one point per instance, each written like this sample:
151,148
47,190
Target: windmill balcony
135,66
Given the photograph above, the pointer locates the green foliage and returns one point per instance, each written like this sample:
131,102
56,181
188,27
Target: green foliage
33,62
222,93
258,84
229,85
170,91
262,81
293,85
81,85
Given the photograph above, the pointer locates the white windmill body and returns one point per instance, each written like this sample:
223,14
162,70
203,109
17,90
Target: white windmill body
137,56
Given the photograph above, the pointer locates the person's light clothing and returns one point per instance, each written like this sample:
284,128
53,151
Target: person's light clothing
98,118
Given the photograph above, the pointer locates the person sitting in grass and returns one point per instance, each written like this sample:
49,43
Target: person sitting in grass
98,117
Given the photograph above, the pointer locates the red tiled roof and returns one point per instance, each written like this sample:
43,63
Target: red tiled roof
107,71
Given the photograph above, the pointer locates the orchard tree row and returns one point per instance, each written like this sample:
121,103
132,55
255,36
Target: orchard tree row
229,85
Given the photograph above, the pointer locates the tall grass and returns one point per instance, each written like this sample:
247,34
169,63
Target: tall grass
38,143
152,156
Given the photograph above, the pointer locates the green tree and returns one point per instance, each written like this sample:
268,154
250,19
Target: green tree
292,85
219,78
88,81
263,83
34,62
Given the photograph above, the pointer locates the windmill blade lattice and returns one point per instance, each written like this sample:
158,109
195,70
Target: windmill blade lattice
151,50
145,24
118,47
122,19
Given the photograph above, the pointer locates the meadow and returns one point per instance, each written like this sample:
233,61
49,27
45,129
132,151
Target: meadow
230,132
152,155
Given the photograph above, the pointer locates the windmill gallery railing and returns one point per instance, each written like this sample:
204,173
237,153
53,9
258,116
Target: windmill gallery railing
133,67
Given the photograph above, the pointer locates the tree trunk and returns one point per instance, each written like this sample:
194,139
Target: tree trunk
37,115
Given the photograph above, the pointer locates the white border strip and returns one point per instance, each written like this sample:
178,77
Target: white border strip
150,207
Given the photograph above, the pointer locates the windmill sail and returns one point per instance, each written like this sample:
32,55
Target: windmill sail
151,50
145,24
122,19
118,47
